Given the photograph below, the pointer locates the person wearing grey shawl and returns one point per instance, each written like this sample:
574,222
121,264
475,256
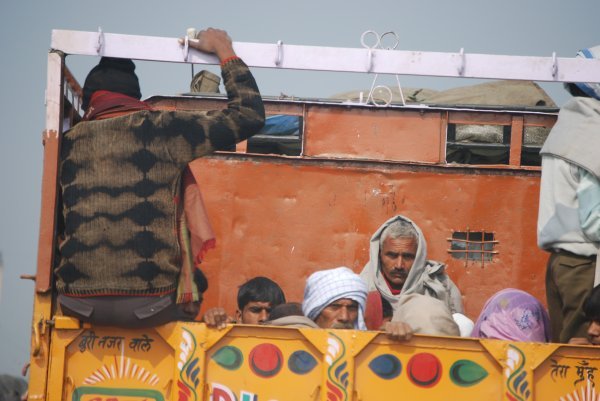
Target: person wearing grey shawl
569,209
398,266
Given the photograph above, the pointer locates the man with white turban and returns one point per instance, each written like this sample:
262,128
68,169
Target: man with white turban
335,299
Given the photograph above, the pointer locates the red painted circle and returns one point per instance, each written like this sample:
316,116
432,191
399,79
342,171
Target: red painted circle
424,370
265,360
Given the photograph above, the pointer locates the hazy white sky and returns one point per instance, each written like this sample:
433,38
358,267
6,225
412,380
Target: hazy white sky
511,27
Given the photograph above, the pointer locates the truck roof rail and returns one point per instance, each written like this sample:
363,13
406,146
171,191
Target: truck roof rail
319,58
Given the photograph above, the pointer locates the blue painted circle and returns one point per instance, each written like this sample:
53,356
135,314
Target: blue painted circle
301,362
386,366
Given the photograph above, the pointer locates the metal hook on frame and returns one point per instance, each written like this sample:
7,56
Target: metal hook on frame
400,91
378,44
554,65
186,48
384,103
396,43
100,45
370,32
461,64
190,34
370,48
370,60
279,57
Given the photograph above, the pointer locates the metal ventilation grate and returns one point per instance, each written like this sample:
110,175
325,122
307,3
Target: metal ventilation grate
472,246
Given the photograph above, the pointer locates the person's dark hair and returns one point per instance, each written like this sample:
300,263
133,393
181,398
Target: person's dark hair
260,289
386,308
286,309
111,74
591,306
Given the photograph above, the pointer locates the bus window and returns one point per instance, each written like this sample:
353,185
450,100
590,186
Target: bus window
533,139
478,144
281,135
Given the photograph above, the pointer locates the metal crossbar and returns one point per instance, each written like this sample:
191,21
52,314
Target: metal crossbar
317,58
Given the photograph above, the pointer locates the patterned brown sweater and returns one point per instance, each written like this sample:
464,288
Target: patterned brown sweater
119,178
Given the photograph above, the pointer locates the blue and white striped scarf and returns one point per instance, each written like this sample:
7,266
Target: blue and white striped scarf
326,286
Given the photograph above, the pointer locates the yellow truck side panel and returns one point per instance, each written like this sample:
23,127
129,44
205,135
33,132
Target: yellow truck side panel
188,361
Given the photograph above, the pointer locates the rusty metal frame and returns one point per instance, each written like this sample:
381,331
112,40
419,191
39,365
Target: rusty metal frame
516,140
42,307
51,142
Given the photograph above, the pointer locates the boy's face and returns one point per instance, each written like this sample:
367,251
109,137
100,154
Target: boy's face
254,313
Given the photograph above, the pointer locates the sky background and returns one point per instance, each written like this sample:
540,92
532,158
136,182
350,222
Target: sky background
510,27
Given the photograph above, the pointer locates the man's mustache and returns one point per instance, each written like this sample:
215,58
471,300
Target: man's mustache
399,272
343,325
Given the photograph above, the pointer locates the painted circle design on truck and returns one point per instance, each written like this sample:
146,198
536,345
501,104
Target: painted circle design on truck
229,357
424,370
467,373
386,366
265,360
301,362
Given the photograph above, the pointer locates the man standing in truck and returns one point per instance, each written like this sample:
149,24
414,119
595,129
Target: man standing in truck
120,176
569,210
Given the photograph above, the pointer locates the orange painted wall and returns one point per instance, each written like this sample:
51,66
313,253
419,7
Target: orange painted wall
373,134
285,218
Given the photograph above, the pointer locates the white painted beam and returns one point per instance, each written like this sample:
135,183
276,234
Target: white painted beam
317,58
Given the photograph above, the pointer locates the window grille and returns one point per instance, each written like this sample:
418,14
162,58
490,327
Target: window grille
472,246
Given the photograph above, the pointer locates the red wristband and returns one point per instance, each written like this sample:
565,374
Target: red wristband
228,59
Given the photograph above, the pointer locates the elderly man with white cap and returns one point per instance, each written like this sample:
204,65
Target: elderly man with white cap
335,299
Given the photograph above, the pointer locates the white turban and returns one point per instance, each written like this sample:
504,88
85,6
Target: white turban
326,286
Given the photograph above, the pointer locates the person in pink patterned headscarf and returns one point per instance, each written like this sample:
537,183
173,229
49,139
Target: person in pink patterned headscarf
513,315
